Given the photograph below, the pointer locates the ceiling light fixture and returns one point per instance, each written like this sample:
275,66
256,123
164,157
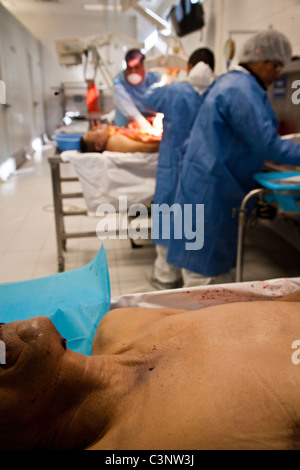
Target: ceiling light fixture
152,17
91,7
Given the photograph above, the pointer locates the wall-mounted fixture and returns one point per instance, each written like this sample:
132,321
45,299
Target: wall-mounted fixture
187,17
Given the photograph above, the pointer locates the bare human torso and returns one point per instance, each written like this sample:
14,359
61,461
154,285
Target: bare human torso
217,378
121,143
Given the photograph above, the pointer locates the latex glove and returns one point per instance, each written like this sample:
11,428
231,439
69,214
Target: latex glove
144,124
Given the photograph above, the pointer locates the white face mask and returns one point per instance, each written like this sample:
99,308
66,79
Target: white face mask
134,79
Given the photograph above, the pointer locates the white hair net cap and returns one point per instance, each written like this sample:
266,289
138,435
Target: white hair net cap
267,45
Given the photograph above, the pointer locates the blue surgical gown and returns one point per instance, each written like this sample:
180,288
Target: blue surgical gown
179,102
235,131
128,98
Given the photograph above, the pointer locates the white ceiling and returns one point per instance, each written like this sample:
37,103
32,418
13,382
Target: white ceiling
75,8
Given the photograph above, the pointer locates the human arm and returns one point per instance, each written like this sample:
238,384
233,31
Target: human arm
156,97
249,112
127,107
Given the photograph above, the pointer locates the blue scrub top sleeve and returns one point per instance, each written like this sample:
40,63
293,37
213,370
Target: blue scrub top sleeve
125,104
255,122
155,98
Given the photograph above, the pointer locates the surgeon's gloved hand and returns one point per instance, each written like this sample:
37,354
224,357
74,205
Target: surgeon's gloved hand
144,124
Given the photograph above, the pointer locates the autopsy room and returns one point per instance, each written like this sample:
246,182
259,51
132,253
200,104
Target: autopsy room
150,215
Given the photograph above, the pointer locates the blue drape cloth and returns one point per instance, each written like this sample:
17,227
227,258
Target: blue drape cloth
75,302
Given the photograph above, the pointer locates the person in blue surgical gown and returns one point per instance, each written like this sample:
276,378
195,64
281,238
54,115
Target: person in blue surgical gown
129,87
179,103
235,131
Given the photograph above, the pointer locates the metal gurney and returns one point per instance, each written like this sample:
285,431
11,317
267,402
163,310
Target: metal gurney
107,176
280,187
104,177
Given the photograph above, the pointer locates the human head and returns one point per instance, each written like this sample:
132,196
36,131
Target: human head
135,71
94,140
266,53
201,55
28,381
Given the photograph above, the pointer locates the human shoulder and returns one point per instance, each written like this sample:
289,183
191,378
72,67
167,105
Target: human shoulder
233,89
122,324
152,77
119,78
239,80
174,92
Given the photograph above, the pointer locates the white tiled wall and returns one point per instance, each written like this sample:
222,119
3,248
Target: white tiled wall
243,16
21,70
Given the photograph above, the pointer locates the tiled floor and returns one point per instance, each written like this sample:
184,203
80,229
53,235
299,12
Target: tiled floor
28,245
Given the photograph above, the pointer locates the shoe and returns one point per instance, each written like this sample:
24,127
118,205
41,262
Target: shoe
159,285
166,285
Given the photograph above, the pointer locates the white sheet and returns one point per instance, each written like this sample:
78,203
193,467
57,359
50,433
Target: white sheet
106,176
200,297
